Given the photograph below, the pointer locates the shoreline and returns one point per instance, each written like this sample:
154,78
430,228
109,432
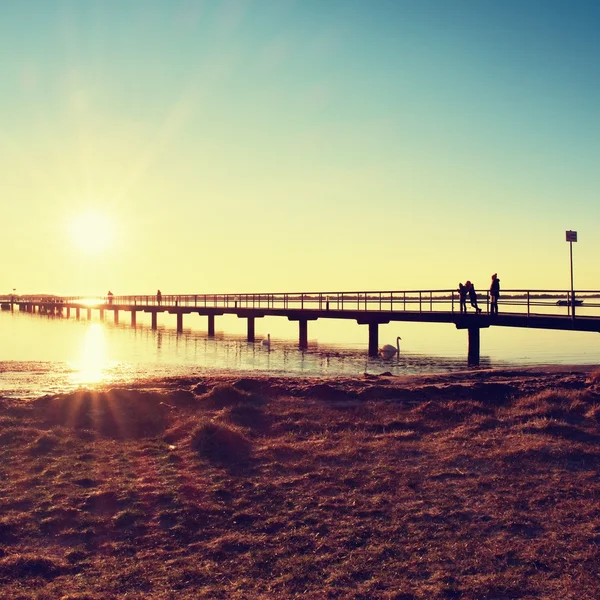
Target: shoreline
293,380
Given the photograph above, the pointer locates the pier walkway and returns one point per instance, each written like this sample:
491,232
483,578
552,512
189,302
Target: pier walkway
541,309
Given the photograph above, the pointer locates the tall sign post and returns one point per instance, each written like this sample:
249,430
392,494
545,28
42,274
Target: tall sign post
572,237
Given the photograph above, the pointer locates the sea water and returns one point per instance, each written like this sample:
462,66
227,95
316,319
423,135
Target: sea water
42,355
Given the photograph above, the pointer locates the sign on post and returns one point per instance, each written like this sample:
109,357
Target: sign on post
572,237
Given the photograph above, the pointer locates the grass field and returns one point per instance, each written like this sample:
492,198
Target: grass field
475,486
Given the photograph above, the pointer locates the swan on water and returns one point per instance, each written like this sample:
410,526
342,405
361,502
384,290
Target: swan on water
388,350
267,341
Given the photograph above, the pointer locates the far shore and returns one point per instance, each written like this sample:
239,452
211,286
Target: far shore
471,485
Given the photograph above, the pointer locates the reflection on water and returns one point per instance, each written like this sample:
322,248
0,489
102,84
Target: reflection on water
41,354
92,365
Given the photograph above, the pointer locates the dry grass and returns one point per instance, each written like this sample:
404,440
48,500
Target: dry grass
220,443
438,488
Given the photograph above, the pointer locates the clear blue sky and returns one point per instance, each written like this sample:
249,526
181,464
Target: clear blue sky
276,145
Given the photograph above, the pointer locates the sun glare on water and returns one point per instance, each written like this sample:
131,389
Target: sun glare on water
92,232
92,366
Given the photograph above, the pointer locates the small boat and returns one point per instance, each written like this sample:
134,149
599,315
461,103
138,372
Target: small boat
568,302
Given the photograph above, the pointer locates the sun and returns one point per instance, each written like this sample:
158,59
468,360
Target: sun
92,232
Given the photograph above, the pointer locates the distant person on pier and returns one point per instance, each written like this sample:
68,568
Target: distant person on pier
473,296
494,294
158,297
110,297
462,295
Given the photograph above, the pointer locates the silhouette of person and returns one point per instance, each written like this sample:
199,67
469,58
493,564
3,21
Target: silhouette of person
473,296
494,294
462,294
110,297
158,297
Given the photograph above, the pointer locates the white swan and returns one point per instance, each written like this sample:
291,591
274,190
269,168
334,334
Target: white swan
388,351
267,341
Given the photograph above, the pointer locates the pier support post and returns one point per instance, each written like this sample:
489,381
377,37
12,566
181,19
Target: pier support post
303,334
68,311
211,325
102,314
133,315
179,322
89,313
154,319
250,329
373,339
116,316
77,312
474,344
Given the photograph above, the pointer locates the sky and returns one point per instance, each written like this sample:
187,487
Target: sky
204,146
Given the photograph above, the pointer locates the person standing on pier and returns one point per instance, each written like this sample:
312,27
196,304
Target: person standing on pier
158,297
110,297
462,295
494,294
473,296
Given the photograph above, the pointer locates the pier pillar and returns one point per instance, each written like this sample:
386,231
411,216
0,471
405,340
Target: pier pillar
179,322
211,325
101,314
154,319
77,312
474,344
250,329
133,314
373,339
116,316
68,311
303,334
89,313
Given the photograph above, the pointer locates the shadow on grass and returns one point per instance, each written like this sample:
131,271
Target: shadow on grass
118,414
248,416
564,431
225,395
27,566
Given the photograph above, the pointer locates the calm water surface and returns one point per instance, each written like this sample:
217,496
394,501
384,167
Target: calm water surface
41,354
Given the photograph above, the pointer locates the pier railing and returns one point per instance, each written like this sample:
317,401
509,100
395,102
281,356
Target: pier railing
529,302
